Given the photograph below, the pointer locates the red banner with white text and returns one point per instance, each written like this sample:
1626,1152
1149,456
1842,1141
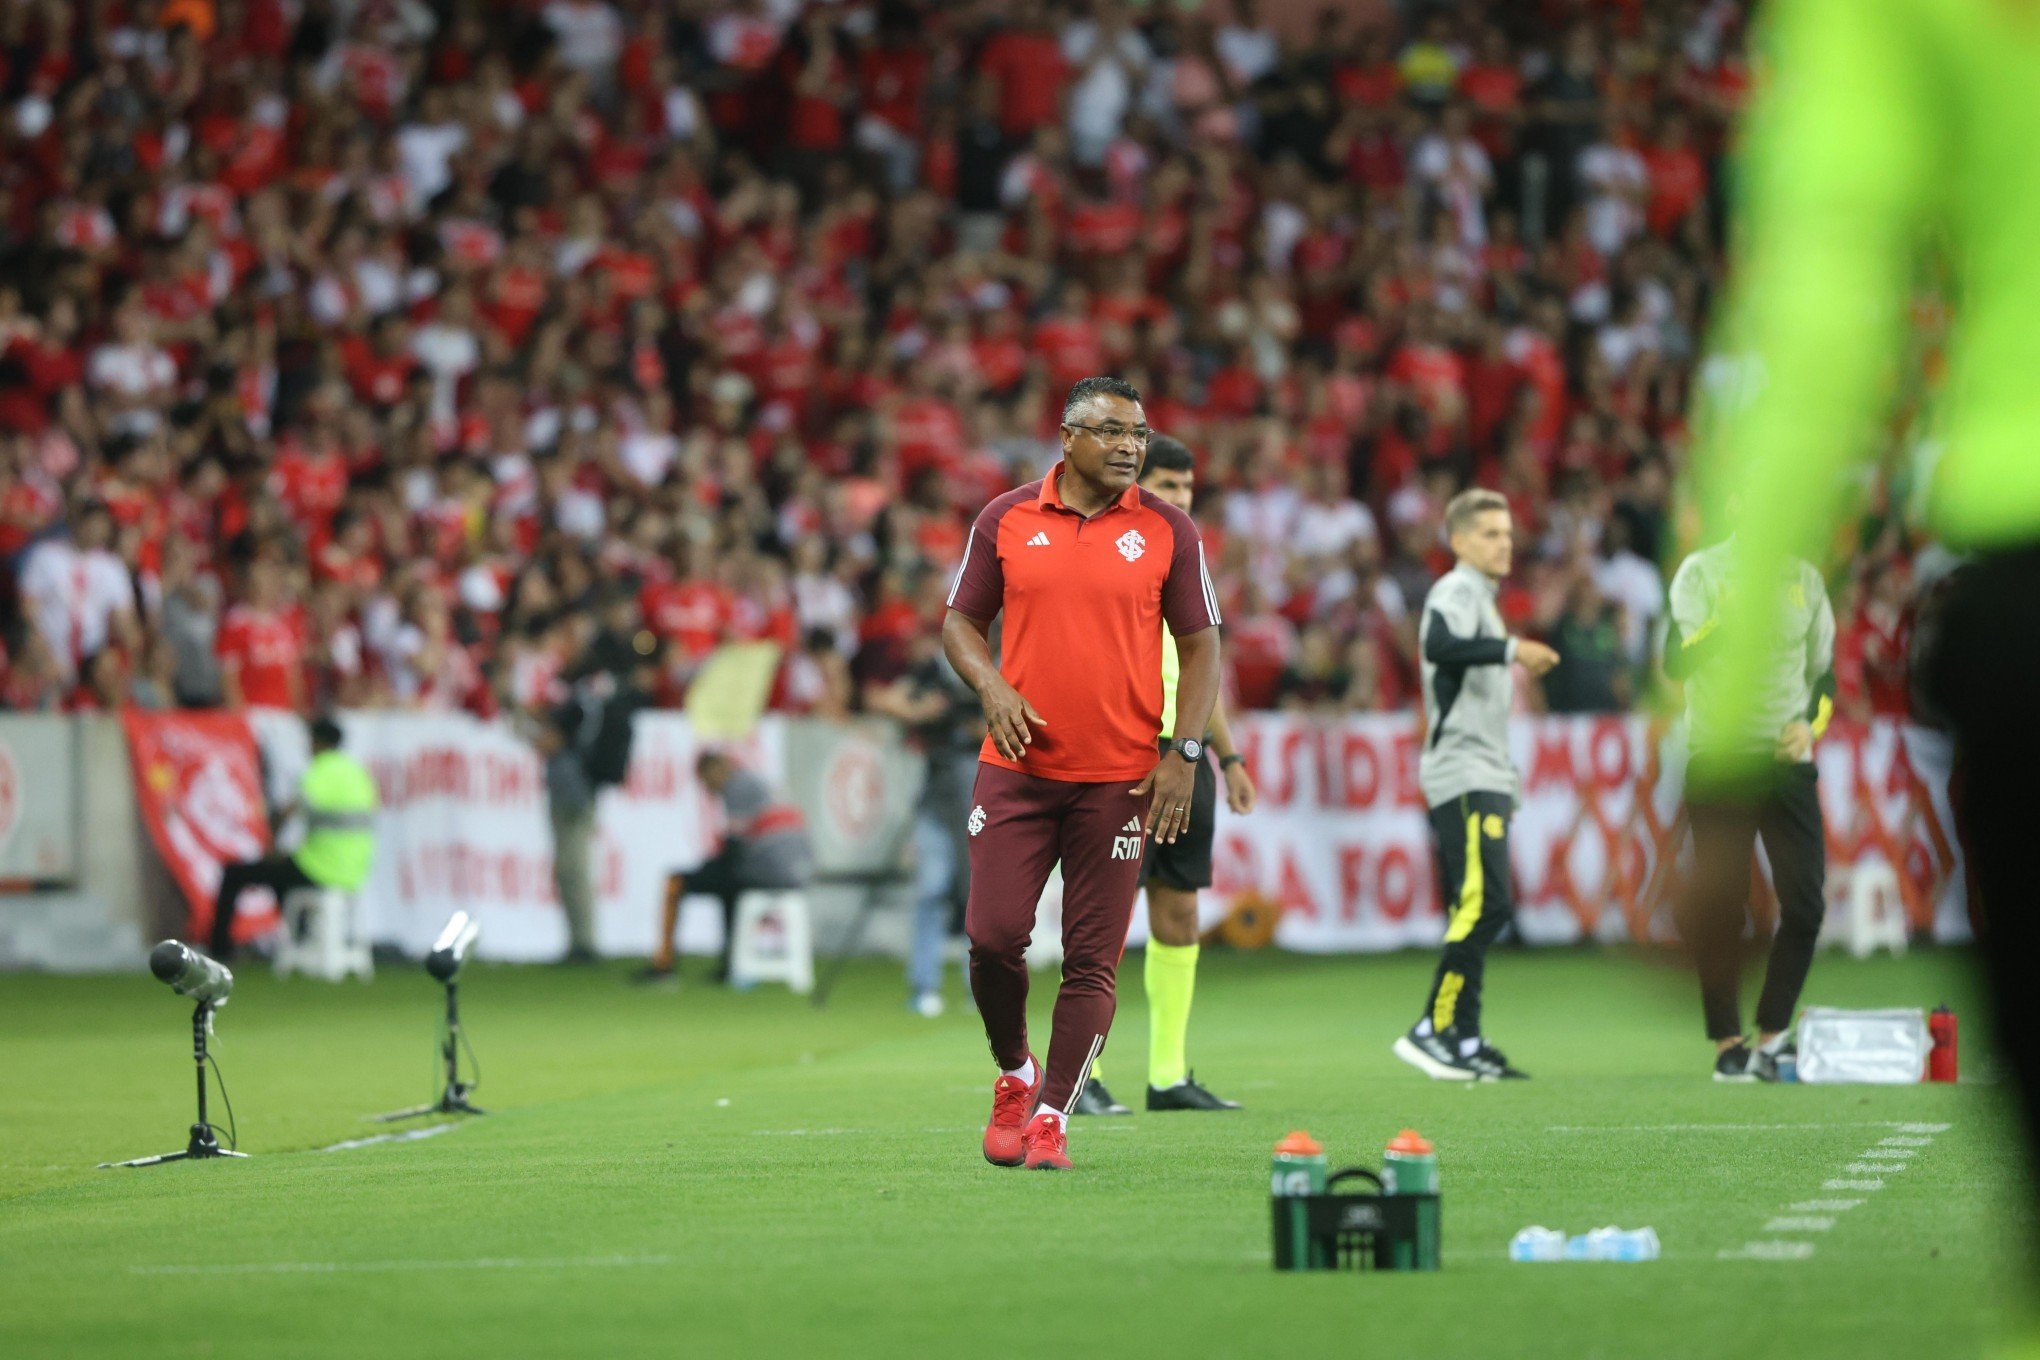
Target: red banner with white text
199,786
1341,843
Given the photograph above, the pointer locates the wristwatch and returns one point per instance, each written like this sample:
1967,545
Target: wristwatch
1189,748
1227,762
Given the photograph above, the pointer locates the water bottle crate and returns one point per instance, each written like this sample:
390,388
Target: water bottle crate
1349,1231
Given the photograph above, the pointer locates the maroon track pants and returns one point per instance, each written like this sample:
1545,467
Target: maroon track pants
1020,827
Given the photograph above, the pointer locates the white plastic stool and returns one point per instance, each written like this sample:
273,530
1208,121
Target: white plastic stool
774,940
322,935
1873,912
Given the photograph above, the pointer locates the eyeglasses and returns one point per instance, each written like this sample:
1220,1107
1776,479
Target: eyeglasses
1112,432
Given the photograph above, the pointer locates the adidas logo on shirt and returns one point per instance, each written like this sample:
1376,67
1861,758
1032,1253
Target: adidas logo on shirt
1127,845
1040,540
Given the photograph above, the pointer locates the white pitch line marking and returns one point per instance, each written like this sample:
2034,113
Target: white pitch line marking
407,1136
806,1133
1766,1251
1891,1154
352,1267
1699,1128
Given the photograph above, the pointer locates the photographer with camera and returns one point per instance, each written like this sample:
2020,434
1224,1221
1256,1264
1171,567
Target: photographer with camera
585,742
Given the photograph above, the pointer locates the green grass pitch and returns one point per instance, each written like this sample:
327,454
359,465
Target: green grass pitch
703,1173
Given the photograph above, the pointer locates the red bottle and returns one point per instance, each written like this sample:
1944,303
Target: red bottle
1941,1057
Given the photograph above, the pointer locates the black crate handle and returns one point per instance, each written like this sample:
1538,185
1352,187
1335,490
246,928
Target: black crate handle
1356,1173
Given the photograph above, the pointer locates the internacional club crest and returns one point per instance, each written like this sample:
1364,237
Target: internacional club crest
1131,545
977,820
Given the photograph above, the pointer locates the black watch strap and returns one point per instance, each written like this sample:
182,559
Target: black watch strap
1227,762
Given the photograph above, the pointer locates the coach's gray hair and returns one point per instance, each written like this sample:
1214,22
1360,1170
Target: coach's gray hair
1461,509
1088,388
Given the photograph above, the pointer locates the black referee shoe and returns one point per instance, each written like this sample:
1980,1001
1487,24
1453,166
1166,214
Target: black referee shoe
1186,1095
1733,1063
1095,1099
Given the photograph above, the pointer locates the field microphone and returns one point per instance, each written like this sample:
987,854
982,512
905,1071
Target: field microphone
450,950
191,973
206,981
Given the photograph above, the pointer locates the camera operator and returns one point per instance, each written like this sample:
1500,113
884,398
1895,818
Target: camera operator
585,742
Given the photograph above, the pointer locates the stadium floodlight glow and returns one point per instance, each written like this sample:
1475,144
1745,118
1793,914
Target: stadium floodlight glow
449,952
208,982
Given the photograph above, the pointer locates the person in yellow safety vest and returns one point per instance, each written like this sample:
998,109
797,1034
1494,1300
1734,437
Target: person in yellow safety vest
338,798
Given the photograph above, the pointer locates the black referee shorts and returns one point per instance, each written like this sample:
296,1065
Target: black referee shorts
1185,865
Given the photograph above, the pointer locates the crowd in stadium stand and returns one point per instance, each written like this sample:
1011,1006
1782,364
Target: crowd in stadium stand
360,352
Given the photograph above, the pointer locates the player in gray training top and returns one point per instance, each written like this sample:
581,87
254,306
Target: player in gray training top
1468,781
1756,779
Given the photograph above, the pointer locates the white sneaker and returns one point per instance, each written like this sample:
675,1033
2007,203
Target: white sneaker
927,1005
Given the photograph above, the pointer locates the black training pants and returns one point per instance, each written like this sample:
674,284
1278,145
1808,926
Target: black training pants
1472,836
278,873
1783,809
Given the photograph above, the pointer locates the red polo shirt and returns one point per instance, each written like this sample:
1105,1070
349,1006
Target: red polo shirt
1085,600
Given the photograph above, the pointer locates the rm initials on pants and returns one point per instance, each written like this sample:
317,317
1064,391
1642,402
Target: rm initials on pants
1128,846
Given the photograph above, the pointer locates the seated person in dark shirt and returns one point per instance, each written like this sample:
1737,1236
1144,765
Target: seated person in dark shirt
764,845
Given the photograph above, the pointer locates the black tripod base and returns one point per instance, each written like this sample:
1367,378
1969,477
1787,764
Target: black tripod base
455,1101
203,1145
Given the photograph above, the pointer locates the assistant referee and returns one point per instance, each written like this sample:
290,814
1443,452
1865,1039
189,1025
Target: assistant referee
1087,569
1175,872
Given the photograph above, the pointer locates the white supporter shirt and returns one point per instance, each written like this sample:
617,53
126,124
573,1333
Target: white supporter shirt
1101,97
589,33
133,371
425,151
73,597
449,353
1329,530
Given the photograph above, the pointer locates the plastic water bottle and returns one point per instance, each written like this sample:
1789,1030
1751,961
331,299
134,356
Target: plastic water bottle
1298,1174
1409,1166
1941,1057
1299,1167
1537,1243
1614,1244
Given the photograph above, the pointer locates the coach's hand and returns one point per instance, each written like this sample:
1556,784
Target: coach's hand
1534,656
1240,792
1010,719
1168,785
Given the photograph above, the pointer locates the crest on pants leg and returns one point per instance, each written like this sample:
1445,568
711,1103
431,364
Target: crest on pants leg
977,820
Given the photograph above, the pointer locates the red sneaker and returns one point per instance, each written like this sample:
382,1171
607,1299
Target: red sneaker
1048,1144
1012,1101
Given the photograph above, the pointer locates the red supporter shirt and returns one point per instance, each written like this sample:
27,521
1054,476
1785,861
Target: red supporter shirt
265,649
891,80
691,614
1030,71
1085,600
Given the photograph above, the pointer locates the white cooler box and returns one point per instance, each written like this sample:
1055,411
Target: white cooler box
1886,1048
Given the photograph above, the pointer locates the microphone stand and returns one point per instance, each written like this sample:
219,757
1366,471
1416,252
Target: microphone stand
454,1100
203,1144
